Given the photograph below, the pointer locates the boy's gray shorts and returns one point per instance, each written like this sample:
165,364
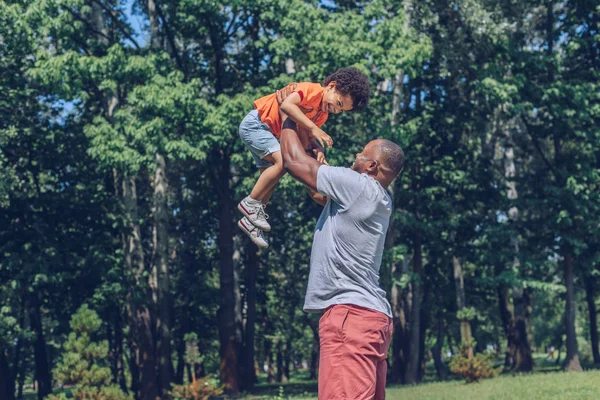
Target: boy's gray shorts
257,136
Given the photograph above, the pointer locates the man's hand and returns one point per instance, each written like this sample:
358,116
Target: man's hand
282,93
317,197
321,137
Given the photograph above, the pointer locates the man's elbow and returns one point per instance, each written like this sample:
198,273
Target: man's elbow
289,164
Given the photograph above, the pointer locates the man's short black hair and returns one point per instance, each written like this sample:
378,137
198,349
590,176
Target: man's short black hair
391,155
353,82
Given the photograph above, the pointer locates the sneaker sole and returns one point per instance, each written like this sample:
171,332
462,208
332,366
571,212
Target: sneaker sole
243,211
243,228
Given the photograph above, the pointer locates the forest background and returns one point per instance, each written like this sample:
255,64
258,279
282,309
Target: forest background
120,169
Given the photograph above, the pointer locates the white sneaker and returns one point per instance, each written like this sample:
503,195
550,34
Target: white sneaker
255,234
255,213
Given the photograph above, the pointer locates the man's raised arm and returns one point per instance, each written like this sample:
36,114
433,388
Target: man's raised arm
300,165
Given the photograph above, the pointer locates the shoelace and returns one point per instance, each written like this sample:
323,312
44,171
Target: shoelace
261,211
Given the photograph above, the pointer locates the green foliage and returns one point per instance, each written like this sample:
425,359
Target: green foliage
200,389
86,101
82,365
475,368
466,313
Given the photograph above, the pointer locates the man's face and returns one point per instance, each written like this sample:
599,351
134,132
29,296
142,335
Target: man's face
365,157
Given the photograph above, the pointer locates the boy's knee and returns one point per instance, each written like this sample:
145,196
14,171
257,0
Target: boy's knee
277,160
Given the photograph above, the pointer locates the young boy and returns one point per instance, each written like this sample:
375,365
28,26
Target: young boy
309,105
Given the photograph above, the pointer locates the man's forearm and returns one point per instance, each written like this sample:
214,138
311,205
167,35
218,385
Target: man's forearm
294,112
308,143
300,165
317,197
292,149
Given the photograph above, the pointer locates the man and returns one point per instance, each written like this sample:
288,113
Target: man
356,325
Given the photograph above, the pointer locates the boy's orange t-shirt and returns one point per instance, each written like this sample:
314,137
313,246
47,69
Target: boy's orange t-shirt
311,95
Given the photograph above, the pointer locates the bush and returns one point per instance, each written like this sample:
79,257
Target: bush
200,389
473,368
83,365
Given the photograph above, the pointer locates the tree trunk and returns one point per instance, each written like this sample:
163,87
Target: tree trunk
21,380
280,361
269,361
590,297
42,369
249,376
425,317
185,329
508,322
7,384
399,356
412,370
438,359
399,343
314,360
139,313
228,320
314,353
459,285
180,370
161,262
117,353
155,41
436,350
523,360
572,360
18,365
287,360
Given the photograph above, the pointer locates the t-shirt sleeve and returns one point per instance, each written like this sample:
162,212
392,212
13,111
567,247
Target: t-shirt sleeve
310,95
342,185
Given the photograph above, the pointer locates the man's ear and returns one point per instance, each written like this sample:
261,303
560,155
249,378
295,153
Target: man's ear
331,84
372,166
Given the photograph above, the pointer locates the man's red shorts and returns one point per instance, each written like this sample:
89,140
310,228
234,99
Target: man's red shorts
354,342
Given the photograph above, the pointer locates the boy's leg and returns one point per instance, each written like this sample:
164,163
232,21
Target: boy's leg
264,186
262,145
253,206
267,197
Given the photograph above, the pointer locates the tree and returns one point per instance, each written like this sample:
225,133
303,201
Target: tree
82,361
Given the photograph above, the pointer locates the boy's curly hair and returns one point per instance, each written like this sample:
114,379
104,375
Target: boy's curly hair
353,82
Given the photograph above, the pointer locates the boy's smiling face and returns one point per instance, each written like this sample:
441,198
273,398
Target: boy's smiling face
334,102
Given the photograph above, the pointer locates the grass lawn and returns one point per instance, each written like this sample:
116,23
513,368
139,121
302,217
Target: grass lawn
547,382
542,386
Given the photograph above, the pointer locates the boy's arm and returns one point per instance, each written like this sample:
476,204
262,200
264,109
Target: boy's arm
290,107
307,141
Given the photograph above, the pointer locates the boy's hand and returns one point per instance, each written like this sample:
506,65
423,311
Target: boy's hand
320,154
281,94
321,137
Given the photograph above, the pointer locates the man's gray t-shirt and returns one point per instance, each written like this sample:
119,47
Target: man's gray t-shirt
348,243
